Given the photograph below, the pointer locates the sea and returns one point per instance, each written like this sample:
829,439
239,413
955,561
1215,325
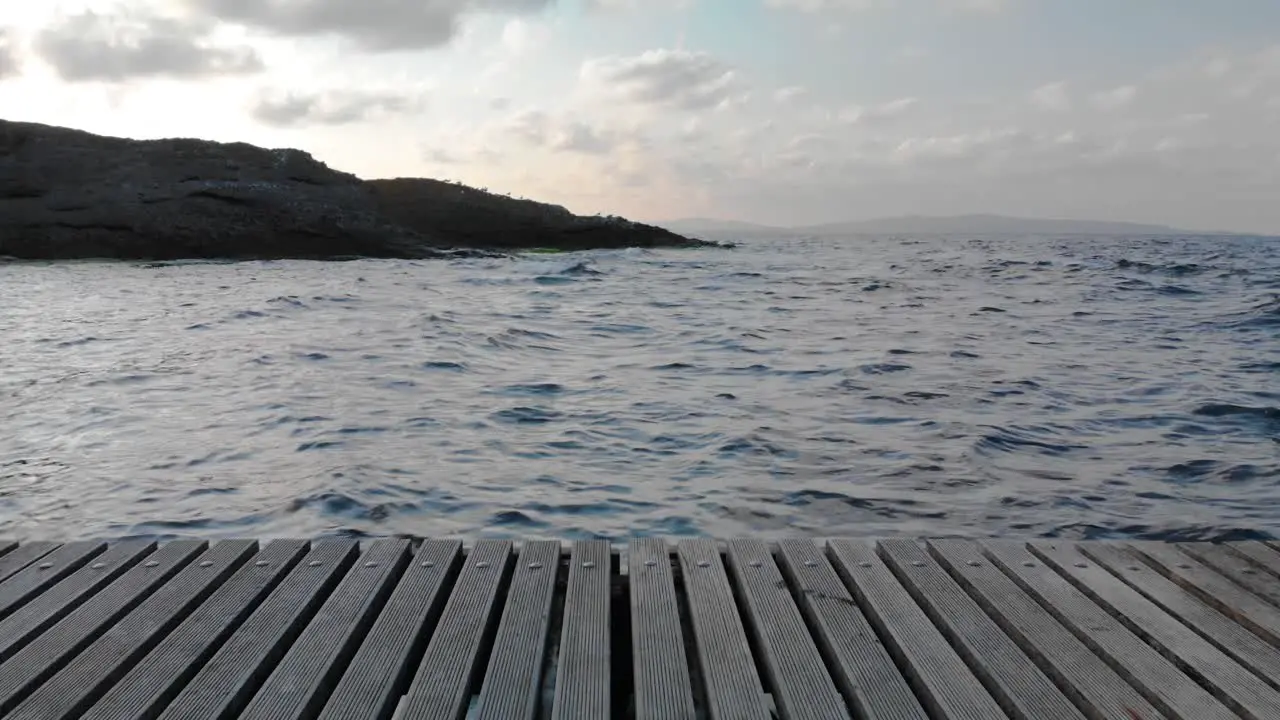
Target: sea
1023,387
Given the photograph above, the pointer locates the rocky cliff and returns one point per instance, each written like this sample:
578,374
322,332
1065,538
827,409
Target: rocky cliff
70,194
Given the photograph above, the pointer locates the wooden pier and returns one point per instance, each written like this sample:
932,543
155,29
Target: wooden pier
743,629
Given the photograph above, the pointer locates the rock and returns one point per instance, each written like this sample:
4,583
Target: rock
68,194
476,218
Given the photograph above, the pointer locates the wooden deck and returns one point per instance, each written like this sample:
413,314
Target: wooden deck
894,630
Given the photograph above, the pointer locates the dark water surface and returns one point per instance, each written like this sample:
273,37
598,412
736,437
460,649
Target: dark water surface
1106,387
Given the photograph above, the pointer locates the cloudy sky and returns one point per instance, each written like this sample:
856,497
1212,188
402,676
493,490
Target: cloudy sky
775,111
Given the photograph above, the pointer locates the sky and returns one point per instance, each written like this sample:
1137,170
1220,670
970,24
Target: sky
783,112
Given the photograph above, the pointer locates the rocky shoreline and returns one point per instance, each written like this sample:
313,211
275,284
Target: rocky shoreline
68,194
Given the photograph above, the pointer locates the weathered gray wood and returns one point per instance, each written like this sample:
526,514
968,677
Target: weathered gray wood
380,672
48,653
154,681
85,678
861,665
1260,554
945,684
1216,589
226,683
38,576
1232,638
802,687
447,675
1236,567
513,682
1083,676
55,603
1175,694
1232,684
1022,689
22,556
583,671
7,545
301,683
733,688
660,668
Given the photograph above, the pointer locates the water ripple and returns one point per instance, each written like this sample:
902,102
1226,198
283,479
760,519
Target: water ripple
1105,388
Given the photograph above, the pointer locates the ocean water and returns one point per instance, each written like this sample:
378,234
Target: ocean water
1017,387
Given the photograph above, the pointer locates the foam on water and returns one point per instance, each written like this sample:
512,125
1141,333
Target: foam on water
1109,387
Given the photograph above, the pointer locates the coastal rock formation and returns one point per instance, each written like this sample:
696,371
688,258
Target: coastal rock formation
68,194
474,218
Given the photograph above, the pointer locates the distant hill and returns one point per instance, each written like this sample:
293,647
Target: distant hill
929,225
990,225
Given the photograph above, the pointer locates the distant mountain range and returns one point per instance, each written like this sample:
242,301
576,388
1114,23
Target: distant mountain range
926,225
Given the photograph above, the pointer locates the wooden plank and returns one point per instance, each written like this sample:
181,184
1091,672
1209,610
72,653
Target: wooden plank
85,678
1260,554
513,683
802,687
445,678
1090,682
1237,687
1022,689
582,674
7,545
1161,682
1237,567
154,681
1232,638
48,653
39,576
860,664
660,667
23,626
1216,589
301,683
733,687
944,683
22,556
228,681
380,672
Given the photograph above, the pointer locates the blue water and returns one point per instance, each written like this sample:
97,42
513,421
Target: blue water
1107,387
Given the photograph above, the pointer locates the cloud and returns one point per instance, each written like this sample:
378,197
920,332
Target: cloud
520,37
624,5
877,113
674,79
580,137
538,129
1052,97
817,6
529,126
9,65
1116,98
115,48
290,110
372,25
853,6
789,94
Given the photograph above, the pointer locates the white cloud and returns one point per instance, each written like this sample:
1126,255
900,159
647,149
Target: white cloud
674,79
1115,98
1053,97
521,37
338,107
9,64
374,25
876,113
789,94
91,46
628,5
855,6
